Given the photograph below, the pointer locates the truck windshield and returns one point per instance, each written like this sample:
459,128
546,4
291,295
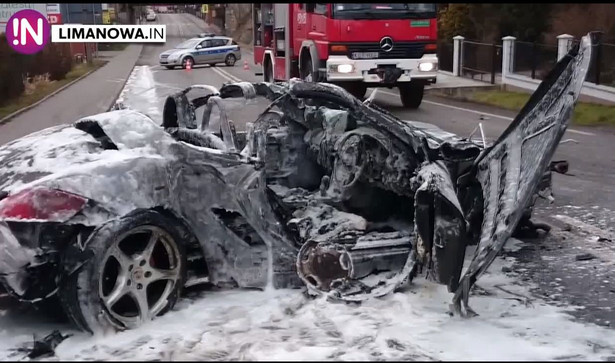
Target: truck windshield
384,11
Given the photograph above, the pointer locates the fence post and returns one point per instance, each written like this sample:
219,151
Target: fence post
457,51
564,42
598,58
494,51
508,56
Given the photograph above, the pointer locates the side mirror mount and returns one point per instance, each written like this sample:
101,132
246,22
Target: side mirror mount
199,46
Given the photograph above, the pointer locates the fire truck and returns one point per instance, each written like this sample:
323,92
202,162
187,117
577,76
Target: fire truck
353,45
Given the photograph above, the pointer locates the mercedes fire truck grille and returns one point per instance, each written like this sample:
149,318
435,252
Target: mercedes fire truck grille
400,50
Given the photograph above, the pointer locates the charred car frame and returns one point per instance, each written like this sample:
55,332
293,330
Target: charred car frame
114,213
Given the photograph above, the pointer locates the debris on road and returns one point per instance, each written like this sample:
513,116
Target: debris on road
585,257
44,347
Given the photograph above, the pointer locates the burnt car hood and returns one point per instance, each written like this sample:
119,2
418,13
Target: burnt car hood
510,170
64,149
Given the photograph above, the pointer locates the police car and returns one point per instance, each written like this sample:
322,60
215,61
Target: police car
207,50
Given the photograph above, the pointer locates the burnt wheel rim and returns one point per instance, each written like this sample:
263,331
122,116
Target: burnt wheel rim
139,273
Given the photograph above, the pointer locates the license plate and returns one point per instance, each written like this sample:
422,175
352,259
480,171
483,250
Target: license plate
364,55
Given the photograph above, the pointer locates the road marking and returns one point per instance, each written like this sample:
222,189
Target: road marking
237,79
480,113
226,75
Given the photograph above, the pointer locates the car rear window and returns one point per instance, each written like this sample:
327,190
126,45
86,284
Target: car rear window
234,43
219,42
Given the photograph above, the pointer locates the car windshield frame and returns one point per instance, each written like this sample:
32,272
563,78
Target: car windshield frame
384,11
189,44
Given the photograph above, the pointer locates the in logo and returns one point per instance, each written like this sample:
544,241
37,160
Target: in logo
27,31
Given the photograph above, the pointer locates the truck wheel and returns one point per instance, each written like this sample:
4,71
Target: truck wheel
307,73
357,89
411,94
268,72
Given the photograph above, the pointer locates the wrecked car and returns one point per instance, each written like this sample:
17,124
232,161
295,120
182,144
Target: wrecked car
115,214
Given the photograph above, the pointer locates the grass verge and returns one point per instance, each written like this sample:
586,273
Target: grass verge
47,88
587,114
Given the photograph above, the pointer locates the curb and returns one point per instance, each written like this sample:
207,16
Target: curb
459,92
117,95
22,110
125,81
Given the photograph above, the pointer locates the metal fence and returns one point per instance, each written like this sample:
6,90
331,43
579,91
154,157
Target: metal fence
602,66
482,61
534,60
445,56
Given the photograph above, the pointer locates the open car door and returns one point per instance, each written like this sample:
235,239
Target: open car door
510,170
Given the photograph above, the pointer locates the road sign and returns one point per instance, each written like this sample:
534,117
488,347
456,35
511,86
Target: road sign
54,18
205,8
54,15
106,17
7,10
53,9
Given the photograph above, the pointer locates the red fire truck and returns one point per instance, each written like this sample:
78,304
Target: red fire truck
353,45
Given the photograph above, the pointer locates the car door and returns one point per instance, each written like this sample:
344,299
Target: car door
510,171
219,49
202,54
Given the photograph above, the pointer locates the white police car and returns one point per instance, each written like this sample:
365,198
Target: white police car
207,50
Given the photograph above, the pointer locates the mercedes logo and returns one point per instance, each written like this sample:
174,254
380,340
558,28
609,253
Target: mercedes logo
386,44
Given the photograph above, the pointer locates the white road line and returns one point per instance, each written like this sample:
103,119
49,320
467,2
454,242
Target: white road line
226,75
237,79
480,113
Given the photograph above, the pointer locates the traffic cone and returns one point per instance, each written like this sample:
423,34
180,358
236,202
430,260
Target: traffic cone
188,65
246,67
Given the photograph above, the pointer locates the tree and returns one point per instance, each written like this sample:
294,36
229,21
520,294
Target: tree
491,22
453,20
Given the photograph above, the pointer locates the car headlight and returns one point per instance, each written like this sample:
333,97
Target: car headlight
426,67
172,57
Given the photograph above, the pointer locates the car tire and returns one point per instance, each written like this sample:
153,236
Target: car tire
159,274
411,94
169,67
185,62
230,60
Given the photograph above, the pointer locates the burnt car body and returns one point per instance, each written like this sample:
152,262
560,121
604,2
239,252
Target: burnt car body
113,212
